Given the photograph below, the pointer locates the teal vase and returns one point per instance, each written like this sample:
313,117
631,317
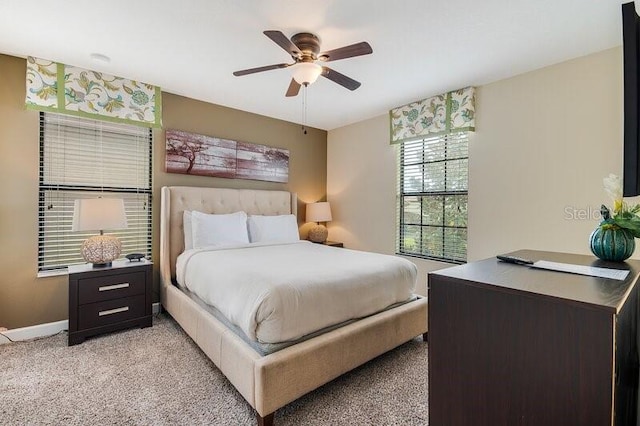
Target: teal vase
610,242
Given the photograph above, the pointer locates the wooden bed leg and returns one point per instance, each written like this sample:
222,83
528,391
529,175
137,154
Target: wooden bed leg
266,420
425,337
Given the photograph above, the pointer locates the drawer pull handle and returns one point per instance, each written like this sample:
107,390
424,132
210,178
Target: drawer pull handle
113,311
113,287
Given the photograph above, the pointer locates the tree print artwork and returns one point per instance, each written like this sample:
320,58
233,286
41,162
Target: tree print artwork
193,154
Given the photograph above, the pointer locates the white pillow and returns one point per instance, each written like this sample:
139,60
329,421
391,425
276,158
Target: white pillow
218,229
273,229
186,227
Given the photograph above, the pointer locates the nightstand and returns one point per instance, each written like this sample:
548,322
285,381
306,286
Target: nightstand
106,299
333,244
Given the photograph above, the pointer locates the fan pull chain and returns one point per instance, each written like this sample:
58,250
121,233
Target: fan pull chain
304,107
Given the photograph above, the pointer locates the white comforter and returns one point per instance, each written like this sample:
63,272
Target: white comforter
281,292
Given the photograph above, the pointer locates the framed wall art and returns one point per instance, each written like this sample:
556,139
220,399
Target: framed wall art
193,154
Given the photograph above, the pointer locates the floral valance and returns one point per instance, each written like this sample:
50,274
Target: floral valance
441,114
91,94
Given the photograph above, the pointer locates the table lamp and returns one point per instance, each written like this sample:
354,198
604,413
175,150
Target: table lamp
99,214
318,212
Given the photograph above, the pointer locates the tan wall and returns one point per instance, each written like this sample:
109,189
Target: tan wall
26,300
544,142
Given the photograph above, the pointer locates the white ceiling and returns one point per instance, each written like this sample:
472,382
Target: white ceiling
420,47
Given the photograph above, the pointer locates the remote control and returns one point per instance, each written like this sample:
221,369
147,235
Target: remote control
515,259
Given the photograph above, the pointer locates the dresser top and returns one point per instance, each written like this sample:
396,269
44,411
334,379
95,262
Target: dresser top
116,264
601,293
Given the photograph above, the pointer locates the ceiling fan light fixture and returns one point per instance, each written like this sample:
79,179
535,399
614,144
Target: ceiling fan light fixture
306,72
304,49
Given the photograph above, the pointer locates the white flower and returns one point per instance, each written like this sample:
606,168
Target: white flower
613,187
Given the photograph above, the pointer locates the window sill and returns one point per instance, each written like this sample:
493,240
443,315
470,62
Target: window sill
53,273
432,258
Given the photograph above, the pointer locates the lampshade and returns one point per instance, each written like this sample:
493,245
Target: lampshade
306,72
319,212
98,214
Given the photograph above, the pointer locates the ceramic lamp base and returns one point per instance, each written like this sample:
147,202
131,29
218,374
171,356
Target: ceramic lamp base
101,249
318,234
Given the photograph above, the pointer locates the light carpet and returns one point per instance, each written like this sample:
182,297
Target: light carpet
158,376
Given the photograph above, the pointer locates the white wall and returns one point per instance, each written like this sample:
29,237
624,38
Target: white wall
543,144
362,189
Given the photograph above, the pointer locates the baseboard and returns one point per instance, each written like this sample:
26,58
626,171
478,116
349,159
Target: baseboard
34,331
47,329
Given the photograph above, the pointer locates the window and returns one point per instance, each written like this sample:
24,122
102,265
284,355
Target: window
84,158
433,198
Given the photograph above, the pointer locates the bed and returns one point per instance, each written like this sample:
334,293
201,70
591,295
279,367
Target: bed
269,381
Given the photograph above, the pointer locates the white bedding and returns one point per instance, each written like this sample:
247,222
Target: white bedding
281,292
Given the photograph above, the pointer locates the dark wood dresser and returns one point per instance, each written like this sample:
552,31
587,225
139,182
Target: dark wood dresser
512,345
110,298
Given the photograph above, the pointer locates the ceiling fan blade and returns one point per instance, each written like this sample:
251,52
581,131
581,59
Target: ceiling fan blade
260,69
281,40
294,88
341,79
358,49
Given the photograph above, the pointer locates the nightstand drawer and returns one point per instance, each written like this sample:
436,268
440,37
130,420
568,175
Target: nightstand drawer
109,287
110,311
109,298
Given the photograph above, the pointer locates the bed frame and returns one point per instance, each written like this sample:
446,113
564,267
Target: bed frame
272,381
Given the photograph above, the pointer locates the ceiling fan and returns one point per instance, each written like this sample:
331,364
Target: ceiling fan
304,49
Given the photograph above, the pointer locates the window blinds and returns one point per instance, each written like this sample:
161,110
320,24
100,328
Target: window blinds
432,211
84,158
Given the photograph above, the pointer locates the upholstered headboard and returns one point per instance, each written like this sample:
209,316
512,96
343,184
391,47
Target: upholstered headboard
176,199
